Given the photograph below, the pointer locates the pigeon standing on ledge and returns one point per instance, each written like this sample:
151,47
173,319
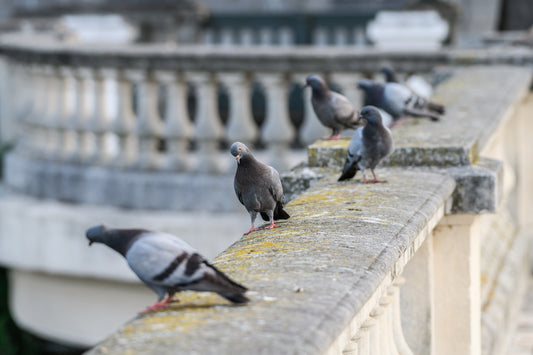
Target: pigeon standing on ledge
398,100
369,145
332,109
258,187
166,264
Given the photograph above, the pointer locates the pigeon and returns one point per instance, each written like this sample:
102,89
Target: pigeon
166,264
398,100
332,109
258,187
369,145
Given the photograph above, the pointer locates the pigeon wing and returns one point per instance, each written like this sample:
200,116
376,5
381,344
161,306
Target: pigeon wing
354,155
343,111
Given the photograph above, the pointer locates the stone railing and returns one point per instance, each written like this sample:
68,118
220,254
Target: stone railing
97,116
414,266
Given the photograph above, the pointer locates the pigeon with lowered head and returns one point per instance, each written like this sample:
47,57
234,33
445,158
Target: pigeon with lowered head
332,109
258,187
166,264
398,100
369,145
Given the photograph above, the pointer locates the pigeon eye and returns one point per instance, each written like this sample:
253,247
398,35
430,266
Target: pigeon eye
240,148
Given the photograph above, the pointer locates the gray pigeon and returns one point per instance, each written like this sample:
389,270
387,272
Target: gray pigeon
369,145
166,264
258,187
418,85
332,109
398,100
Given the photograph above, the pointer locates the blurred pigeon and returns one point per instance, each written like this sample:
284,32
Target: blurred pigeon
332,109
369,145
398,100
166,264
258,187
416,83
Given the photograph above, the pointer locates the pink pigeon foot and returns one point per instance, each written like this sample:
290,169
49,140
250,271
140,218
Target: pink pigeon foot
272,225
252,229
157,305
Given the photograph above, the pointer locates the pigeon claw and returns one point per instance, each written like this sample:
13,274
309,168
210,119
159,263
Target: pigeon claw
272,226
253,229
333,137
157,305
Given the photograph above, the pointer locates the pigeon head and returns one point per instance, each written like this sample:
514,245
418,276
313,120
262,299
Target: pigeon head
96,234
117,239
315,82
370,114
240,151
390,76
365,84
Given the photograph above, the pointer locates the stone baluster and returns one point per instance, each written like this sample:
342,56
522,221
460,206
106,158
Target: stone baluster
178,129
265,36
50,119
241,126
375,331
26,86
286,37
353,346
34,124
149,122
341,36
277,131
65,110
246,36
208,127
348,83
82,115
100,120
226,37
365,342
399,339
385,304
311,129
124,124
320,37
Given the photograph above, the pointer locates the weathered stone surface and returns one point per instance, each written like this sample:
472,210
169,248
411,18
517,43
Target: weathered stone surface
342,240
472,115
478,186
300,179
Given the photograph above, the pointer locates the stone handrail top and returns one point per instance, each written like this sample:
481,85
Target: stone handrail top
472,115
308,278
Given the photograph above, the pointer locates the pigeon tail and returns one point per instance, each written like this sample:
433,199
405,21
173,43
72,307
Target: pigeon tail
280,213
226,287
348,172
436,108
236,298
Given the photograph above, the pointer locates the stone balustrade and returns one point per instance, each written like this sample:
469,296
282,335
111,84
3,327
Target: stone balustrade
86,116
414,266
431,263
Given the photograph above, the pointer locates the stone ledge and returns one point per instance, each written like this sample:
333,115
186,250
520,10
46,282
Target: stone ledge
342,241
472,116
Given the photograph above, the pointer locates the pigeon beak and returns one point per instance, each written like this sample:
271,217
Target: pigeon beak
360,118
91,242
238,157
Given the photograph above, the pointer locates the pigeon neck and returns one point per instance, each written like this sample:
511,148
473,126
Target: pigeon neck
319,92
121,240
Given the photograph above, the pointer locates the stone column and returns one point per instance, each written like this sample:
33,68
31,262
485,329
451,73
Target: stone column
457,285
277,131
241,126
208,126
84,109
178,129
